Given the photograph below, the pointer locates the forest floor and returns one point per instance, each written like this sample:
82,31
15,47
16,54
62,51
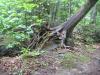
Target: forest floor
55,62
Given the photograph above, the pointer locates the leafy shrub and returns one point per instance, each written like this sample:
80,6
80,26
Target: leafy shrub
88,34
96,35
27,53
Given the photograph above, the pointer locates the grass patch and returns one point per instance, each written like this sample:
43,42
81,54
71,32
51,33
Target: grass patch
83,58
90,48
70,59
26,53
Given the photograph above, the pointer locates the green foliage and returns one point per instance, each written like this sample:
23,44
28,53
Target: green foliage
17,16
96,36
27,53
14,14
87,33
90,33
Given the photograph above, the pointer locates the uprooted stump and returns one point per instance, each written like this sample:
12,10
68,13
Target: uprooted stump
45,33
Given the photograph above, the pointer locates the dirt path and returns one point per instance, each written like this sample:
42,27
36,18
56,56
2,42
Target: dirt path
50,64
88,68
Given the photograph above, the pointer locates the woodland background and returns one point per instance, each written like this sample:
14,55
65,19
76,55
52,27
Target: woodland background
17,17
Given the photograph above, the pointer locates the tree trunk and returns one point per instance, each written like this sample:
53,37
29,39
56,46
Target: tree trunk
70,24
70,5
93,15
75,19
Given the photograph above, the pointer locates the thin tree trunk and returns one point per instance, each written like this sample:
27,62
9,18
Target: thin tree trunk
70,4
93,15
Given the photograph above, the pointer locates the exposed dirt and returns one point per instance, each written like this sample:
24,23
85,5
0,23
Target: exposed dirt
50,63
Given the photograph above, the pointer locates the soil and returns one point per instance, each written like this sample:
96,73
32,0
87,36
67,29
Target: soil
50,63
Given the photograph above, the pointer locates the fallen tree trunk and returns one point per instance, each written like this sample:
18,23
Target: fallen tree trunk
70,24
75,19
65,29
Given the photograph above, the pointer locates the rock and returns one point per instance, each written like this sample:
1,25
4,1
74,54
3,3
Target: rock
9,51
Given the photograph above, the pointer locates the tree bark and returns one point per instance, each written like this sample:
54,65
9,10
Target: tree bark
73,21
70,24
93,15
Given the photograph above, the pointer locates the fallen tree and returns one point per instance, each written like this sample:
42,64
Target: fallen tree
63,31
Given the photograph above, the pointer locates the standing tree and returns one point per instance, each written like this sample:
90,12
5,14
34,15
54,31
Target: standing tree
93,15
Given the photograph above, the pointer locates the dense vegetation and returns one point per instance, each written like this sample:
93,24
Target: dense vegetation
26,27
17,17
